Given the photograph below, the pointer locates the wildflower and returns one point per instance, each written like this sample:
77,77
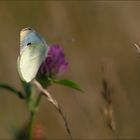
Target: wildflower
54,64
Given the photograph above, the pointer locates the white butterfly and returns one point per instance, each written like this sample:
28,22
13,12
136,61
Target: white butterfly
33,50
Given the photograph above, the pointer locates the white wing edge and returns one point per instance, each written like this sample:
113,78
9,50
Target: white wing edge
18,68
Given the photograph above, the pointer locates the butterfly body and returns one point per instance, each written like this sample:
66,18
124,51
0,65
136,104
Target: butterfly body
33,50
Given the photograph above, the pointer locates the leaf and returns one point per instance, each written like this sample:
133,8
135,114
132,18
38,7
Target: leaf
68,83
13,90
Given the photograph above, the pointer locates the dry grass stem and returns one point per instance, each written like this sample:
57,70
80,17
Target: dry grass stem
54,103
108,107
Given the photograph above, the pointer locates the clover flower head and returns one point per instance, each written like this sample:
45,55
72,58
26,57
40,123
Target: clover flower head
55,63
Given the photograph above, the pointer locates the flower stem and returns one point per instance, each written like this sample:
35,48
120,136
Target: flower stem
32,116
30,135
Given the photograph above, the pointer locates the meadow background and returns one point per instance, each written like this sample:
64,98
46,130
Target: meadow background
97,38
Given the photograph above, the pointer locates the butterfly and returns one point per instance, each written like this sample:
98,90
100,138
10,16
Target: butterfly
33,50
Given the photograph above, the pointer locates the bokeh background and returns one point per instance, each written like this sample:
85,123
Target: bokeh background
98,38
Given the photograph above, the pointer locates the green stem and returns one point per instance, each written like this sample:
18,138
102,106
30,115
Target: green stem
30,135
32,116
38,100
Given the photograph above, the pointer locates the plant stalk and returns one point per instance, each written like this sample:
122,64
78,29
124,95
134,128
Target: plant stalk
54,103
32,116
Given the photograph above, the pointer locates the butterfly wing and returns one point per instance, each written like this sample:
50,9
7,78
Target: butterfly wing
28,36
33,49
30,61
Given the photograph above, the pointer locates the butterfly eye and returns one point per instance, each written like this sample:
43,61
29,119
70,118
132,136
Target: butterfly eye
29,44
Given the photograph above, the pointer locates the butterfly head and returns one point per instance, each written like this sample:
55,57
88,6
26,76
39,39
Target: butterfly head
26,31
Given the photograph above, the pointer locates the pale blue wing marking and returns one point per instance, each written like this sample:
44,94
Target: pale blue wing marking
33,38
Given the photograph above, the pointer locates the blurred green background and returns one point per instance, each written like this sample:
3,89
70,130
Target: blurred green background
93,35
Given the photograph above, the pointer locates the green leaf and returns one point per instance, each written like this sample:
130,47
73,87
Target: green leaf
68,83
11,89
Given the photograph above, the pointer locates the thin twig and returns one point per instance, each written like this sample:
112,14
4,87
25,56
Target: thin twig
13,90
54,103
